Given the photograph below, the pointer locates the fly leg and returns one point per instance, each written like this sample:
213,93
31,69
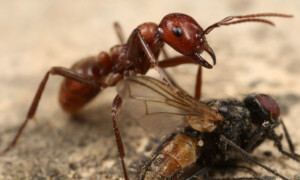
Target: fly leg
289,140
249,157
256,139
277,141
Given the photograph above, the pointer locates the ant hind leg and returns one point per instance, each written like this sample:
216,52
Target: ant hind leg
61,71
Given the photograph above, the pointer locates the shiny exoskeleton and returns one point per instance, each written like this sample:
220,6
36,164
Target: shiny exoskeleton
85,79
209,132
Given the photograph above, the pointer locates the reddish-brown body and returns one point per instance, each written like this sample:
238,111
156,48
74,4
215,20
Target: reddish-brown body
87,77
108,68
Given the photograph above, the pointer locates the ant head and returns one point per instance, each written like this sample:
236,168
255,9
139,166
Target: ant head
186,36
263,108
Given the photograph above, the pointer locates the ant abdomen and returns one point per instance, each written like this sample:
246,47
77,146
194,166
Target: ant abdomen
174,156
74,95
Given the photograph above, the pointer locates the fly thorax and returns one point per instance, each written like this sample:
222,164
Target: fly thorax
201,125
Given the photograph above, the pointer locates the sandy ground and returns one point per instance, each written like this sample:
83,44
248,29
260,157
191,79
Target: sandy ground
36,35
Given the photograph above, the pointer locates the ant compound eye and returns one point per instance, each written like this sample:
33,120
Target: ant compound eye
269,104
177,31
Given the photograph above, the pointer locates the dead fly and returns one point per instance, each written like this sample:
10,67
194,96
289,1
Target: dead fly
202,133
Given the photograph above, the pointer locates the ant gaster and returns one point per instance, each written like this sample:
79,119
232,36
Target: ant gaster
85,79
202,133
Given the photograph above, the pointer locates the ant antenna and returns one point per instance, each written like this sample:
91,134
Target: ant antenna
245,18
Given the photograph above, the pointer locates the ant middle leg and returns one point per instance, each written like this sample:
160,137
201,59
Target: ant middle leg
61,71
135,41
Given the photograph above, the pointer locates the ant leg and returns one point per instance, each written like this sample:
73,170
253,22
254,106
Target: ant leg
175,61
134,43
61,71
114,111
249,157
120,35
179,60
198,88
277,140
185,60
119,32
166,56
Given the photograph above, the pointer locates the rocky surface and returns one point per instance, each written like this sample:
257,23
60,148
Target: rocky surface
36,35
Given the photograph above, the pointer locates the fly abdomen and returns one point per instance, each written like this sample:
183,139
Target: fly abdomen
174,155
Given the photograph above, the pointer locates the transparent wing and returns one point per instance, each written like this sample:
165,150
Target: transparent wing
159,109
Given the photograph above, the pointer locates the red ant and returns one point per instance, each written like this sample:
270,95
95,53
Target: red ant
86,78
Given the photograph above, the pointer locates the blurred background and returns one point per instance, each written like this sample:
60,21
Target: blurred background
36,35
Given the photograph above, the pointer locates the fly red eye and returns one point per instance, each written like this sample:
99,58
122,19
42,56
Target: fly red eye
177,31
269,104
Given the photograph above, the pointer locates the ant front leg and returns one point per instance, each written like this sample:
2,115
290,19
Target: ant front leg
134,43
61,71
178,60
114,111
121,36
198,88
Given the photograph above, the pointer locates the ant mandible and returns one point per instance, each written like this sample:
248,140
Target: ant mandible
87,77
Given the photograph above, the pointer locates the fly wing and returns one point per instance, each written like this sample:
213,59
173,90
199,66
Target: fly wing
158,108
